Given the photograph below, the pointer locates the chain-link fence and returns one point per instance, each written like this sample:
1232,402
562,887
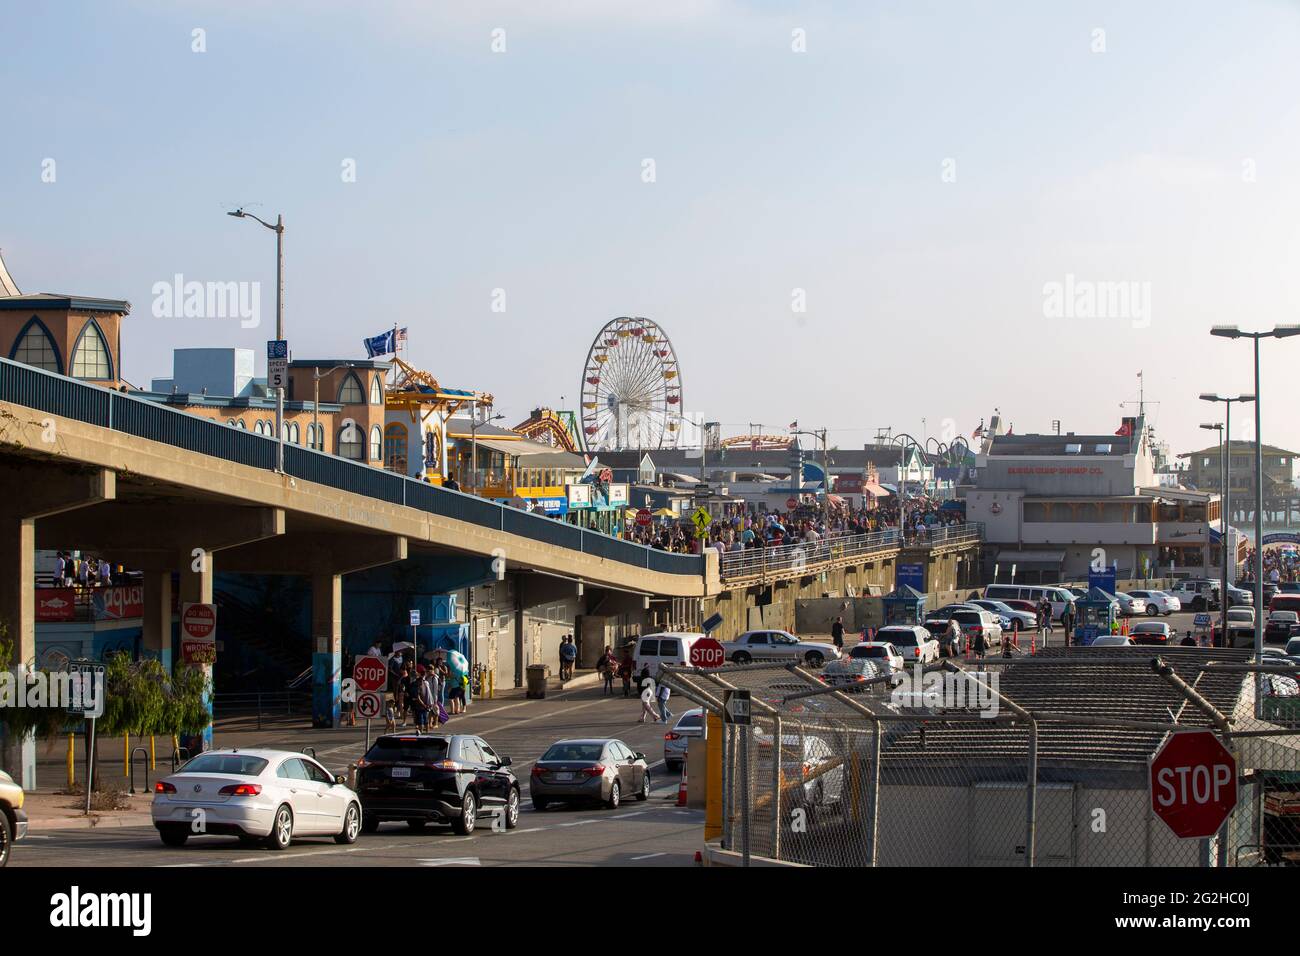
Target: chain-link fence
1040,761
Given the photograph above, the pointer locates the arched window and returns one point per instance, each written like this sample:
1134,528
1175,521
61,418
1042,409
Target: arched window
293,433
257,427
352,441
238,423
395,447
90,357
350,393
286,432
311,435
35,346
376,444
376,391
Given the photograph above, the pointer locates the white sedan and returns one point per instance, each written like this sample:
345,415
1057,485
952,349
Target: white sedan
268,796
1158,602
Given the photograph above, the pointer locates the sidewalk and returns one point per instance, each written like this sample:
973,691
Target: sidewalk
63,811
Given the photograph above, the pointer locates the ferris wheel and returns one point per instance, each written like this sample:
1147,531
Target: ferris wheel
631,388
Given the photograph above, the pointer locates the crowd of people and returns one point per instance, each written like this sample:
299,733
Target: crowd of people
72,569
424,693
1280,564
753,528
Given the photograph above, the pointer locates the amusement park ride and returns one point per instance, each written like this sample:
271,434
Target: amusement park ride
631,388
558,429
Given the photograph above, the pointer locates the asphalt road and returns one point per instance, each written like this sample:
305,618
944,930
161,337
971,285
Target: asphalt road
653,833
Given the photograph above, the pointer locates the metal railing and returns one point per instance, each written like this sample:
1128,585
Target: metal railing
760,562
59,395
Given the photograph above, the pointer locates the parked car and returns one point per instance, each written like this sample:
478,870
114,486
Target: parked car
268,796
1152,632
1078,592
677,741
13,819
593,770
805,758
977,621
1240,596
1196,594
1277,627
1016,618
1059,596
777,645
435,778
848,671
1112,640
1245,615
938,629
1293,647
887,658
1284,602
1130,606
1158,602
914,642
672,648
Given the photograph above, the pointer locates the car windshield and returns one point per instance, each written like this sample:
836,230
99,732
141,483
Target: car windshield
409,749
236,765
900,637
568,751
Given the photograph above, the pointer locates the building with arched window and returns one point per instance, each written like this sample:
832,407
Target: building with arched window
66,334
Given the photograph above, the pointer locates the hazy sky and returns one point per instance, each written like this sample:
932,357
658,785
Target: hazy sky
921,171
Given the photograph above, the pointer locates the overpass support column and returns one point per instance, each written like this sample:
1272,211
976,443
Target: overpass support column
196,588
158,617
327,647
27,494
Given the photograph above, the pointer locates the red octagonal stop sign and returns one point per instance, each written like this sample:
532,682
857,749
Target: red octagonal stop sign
370,673
1193,784
706,652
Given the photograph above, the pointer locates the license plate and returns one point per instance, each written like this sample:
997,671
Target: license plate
401,772
564,776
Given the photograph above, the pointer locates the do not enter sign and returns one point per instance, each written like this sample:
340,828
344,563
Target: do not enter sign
1193,784
706,652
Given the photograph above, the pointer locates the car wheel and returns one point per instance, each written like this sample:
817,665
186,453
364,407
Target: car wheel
740,657
369,824
6,839
615,796
512,809
645,788
465,823
174,834
1153,611
540,803
281,829
351,825
814,659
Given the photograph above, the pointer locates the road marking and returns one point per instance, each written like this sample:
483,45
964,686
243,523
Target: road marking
648,856
451,861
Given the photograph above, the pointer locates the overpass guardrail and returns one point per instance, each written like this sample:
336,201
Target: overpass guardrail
760,562
119,411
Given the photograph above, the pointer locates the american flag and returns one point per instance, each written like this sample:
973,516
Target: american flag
401,336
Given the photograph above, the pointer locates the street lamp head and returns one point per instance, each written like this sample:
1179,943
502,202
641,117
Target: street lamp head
238,214
1210,397
1285,331
1226,331
1244,398
1217,426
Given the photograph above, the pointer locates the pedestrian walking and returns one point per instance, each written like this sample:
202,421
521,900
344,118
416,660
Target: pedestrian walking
663,694
568,656
646,685
625,669
952,642
606,667
837,634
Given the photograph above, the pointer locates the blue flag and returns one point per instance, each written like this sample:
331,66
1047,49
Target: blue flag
384,344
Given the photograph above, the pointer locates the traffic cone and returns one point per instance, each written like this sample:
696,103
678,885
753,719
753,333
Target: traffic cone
681,787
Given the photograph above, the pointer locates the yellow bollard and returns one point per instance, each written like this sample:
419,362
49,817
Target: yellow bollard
126,755
72,761
713,731
492,684
153,754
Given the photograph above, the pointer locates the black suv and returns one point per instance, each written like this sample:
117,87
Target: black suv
436,778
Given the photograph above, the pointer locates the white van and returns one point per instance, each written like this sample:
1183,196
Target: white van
1059,597
671,647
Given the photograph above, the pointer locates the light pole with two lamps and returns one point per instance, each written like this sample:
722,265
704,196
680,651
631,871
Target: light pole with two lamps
1227,502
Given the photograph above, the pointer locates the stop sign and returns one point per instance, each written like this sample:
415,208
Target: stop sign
643,517
1193,784
706,652
370,673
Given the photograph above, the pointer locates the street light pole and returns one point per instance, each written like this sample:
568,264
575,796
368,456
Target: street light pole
278,229
1277,332
1227,497
1224,504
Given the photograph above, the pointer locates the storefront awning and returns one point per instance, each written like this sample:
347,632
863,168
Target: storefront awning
874,489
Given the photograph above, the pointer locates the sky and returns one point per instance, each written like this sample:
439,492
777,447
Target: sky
862,215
